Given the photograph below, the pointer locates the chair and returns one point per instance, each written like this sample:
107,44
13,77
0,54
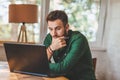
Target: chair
94,63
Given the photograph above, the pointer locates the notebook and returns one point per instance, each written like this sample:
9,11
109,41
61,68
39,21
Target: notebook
28,59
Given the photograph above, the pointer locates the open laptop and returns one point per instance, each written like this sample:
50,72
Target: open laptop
28,59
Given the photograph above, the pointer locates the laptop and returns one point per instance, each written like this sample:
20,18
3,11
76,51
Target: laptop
28,59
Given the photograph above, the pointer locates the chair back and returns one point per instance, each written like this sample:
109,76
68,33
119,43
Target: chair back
94,63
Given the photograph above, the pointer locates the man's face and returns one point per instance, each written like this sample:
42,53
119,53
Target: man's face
57,29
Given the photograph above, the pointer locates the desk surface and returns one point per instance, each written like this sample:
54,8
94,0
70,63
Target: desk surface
5,74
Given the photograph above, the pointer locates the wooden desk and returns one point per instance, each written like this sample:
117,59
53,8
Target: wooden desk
5,74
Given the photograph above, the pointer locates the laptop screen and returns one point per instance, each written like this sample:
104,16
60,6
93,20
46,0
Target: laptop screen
27,58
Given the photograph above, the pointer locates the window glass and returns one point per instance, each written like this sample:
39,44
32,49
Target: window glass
10,31
83,15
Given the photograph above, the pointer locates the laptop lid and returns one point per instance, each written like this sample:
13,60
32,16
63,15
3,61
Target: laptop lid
27,58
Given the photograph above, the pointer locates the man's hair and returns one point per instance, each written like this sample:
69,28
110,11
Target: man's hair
57,14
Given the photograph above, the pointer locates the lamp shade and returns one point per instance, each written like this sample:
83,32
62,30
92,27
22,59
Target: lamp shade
23,13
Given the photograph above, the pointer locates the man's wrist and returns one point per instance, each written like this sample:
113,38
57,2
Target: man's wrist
51,49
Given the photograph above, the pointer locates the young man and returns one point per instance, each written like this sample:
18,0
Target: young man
68,51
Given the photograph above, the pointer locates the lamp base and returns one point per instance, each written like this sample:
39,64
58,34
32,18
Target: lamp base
22,34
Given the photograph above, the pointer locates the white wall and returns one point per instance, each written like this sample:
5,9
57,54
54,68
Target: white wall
113,46
108,64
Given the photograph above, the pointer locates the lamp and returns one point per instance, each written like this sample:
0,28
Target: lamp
23,13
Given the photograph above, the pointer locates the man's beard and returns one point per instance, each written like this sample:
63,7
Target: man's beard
65,34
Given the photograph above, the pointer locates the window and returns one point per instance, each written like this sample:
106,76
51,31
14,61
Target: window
84,16
87,16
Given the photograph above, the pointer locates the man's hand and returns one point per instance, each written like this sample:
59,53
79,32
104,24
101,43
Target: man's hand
57,43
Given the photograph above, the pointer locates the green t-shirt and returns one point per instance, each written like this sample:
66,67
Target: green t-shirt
75,59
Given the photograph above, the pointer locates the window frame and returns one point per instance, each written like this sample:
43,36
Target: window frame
43,25
101,26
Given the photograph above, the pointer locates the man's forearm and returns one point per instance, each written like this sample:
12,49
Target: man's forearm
49,52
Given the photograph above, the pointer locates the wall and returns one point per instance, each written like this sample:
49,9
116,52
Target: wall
108,63
113,47
100,66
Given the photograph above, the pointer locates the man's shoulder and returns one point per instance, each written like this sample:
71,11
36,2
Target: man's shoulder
76,34
48,36
47,40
